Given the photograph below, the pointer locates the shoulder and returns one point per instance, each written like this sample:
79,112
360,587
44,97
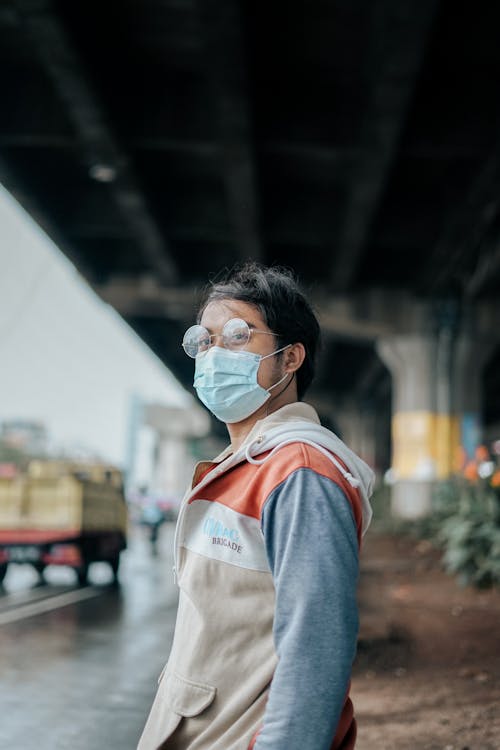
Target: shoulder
246,487
291,462
290,458
294,456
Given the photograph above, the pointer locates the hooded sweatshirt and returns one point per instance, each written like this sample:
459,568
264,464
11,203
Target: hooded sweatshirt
266,558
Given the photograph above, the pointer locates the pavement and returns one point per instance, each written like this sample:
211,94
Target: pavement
79,665
427,674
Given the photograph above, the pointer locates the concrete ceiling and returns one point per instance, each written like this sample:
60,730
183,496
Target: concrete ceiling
357,141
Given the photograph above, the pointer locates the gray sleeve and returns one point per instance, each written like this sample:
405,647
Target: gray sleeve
312,547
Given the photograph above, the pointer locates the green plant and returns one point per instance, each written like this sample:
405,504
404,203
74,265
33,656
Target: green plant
464,521
470,532
468,506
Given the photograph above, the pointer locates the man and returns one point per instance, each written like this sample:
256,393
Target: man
267,540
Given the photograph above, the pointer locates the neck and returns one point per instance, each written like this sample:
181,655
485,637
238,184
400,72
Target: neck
239,430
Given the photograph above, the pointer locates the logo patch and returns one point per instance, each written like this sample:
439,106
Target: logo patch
222,535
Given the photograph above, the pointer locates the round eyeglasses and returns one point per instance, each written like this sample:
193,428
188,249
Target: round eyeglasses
235,335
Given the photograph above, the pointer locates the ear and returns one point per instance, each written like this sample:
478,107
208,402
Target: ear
294,357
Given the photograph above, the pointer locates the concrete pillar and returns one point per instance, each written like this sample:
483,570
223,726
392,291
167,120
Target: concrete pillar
437,398
471,355
173,466
175,428
412,361
357,426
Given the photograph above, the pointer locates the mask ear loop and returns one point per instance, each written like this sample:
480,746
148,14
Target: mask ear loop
286,373
280,381
269,402
265,356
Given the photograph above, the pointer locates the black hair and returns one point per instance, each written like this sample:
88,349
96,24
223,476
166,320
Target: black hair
275,292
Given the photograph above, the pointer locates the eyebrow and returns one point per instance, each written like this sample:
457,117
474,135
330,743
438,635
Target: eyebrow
249,324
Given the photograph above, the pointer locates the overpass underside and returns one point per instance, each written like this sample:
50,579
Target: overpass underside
158,141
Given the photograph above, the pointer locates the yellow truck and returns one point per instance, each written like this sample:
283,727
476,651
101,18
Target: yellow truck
62,513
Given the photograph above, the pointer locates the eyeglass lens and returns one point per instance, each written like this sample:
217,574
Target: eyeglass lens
235,334
196,339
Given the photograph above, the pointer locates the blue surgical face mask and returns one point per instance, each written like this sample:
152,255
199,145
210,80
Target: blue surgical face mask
226,382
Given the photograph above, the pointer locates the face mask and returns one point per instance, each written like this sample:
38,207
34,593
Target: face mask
226,382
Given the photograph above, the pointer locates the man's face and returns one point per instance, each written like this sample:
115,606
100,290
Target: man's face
217,313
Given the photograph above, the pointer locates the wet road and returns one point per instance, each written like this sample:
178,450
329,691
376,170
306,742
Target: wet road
79,665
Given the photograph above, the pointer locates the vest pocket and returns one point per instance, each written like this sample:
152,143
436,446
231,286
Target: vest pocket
185,697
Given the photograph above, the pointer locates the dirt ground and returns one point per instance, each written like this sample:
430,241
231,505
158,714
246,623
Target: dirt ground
427,675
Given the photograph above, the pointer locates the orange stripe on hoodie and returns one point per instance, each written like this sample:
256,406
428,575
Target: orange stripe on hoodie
246,487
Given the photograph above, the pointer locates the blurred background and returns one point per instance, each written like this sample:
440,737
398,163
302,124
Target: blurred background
145,145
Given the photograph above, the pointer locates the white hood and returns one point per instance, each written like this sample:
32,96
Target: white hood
299,422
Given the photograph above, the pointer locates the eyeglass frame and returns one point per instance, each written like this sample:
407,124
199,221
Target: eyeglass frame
210,336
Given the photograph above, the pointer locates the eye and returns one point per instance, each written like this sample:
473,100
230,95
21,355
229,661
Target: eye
196,339
239,336
204,342
235,333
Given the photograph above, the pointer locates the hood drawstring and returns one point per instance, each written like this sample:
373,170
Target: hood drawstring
258,441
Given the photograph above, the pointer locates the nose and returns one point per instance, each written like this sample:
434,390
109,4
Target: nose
216,339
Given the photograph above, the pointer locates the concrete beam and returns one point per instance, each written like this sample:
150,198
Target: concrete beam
145,298
225,67
469,232
346,317
400,34
362,317
105,159
371,314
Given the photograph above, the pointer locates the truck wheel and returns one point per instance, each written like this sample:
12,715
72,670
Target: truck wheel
3,571
82,574
114,564
40,567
